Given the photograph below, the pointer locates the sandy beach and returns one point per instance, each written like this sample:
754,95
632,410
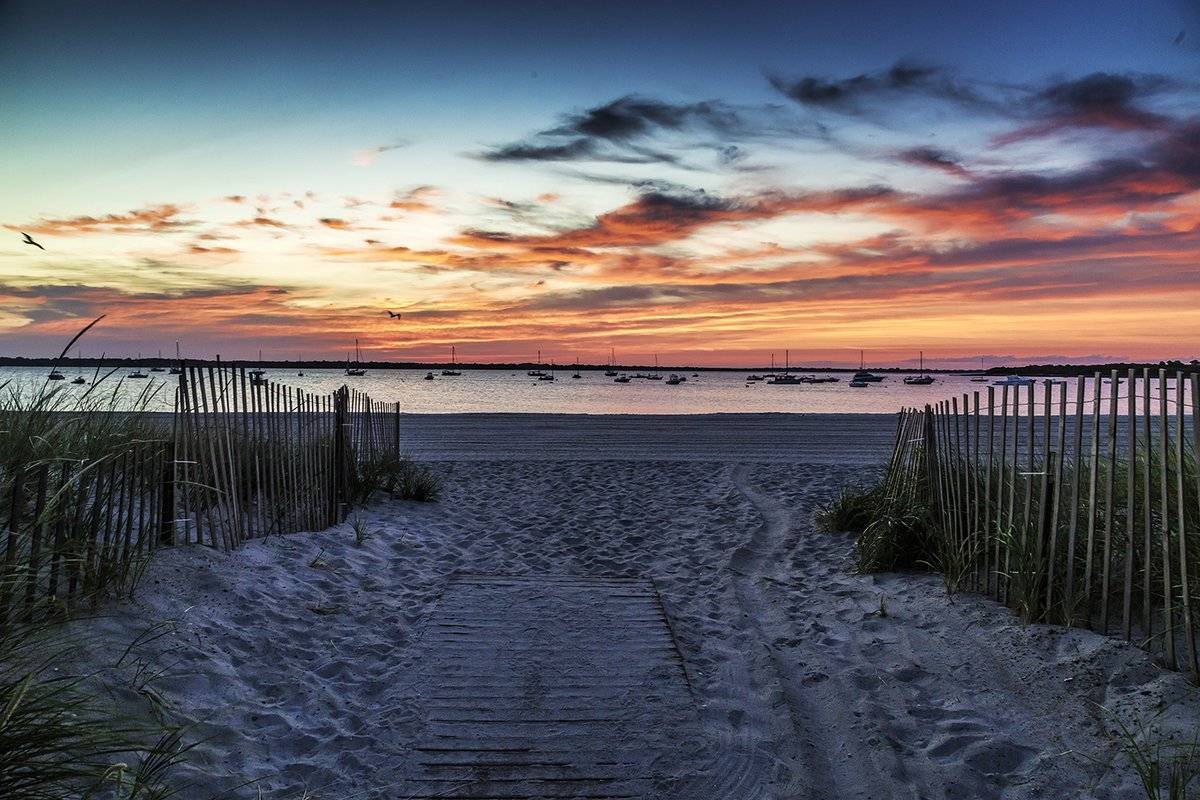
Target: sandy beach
623,607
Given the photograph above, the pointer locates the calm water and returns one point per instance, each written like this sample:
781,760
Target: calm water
593,393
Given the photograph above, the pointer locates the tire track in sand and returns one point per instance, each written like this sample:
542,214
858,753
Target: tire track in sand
815,738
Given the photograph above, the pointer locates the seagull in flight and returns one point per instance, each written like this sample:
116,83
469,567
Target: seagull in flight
1179,38
393,314
29,240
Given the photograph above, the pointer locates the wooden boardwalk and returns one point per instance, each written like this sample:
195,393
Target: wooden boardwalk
538,687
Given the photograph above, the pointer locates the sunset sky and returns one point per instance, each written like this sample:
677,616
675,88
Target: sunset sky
710,182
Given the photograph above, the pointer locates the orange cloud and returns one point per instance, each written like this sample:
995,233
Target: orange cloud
151,219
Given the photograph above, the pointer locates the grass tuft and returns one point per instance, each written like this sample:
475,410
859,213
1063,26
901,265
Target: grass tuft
397,475
850,511
62,736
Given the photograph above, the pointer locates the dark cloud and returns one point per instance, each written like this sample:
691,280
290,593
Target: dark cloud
1101,100
657,218
631,117
574,150
617,132
904,77
935,158
1166,168
580,149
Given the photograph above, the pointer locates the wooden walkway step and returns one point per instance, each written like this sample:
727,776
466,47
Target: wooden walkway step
549,687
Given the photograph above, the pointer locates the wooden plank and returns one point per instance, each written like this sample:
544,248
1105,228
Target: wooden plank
1131,425
1044,489
978,542
1056,501
1093,478
1147,501
1073,526
37,531
1109,487
1168,593
954,448
1189,632
989,564
57,554
1030,469
1001,567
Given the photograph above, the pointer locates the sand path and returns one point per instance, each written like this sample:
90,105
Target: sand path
312,663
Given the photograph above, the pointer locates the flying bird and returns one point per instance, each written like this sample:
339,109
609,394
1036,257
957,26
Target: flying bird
1179,38
393,314
29,240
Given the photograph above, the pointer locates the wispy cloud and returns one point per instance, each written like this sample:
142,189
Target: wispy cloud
368,155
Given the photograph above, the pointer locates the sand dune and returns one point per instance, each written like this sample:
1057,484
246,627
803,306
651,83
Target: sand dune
308,662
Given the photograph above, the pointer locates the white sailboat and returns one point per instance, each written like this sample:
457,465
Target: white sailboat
453,361
922,379
355,371
611,372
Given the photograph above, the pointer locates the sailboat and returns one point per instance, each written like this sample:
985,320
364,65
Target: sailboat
862,376
157,368
921,379
258,376
787,377
612,362
300,360
576,375
178,368
79,379
137,373
355,371
537,373
547,376
656,376
453,361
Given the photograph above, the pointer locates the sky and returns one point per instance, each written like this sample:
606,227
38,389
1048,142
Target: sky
1003,182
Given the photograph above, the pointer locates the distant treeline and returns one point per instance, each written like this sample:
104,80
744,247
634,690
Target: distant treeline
1070,370
1056,370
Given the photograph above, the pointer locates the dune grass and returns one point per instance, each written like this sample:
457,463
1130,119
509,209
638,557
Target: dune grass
64,733
394,474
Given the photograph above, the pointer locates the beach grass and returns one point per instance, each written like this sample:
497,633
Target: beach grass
850,511
394,474
1167,764
61,733
64,734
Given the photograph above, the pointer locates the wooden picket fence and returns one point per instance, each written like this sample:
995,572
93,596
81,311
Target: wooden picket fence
239,458
1075,504
76,531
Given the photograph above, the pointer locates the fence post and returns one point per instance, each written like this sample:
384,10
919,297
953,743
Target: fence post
166,514
339,454
397,419
8,570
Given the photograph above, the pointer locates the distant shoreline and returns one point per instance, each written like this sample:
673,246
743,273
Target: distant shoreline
1055,370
